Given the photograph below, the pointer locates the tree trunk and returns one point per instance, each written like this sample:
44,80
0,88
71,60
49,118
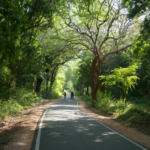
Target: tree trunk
33,82
47,80
39,84
94,76
52,78
94,89
87,90
122,93
51,84
94,98
81,89
25,84
10,89
148,89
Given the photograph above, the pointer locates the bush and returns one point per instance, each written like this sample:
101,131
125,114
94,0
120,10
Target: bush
9,107
83,97
20,99
103,100
51,95
135,114
144,100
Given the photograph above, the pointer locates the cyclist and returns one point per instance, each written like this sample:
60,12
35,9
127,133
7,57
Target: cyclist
64,95
72,95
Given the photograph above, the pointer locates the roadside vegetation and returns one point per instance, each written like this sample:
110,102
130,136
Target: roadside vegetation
21,99
135,112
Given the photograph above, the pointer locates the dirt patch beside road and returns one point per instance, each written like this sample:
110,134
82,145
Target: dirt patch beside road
26,125
129,132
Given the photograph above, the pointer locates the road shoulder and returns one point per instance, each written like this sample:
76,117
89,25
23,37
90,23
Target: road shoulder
22,138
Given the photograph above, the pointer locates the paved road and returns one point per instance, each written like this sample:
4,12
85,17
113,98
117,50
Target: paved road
64,127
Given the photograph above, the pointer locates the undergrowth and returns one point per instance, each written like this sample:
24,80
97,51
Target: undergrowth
21,99
83,97
51,95
134,113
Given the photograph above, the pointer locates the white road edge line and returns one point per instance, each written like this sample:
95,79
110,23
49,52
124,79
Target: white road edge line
37,146
113,130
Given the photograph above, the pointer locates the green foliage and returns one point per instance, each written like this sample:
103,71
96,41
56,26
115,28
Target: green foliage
68,71
81,78
136,113
9,108
21,99
142,43
92,103
54,94
144,101
57,89
20,24
103,100
141,51
136,7
124,78
83,97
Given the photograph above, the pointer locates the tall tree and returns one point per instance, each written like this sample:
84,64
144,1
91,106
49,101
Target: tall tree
100,28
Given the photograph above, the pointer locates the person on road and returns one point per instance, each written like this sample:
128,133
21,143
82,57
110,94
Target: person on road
72,95
64,95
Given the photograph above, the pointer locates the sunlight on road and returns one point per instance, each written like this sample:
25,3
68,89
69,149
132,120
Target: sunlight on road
64,124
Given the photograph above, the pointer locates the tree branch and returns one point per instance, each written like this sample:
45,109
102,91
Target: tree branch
33,12
113,52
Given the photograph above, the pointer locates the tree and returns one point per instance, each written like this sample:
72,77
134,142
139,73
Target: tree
100,28
68,72
81,78
136,7
125,78
56,53
20,23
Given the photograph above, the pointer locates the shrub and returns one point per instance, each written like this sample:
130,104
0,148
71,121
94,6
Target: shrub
20,99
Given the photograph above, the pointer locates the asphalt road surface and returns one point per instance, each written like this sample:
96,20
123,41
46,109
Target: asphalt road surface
64,127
